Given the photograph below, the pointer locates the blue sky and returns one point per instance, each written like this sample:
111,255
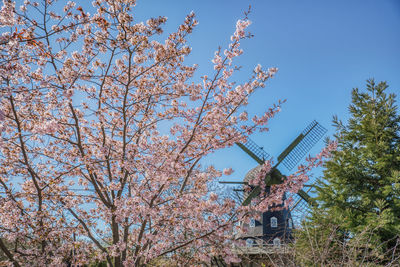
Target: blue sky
323,49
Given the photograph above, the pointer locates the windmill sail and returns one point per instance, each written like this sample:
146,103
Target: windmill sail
254,151
255,192
305,196
299,208
301,145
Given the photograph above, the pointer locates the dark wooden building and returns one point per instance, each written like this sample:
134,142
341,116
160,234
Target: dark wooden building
272,227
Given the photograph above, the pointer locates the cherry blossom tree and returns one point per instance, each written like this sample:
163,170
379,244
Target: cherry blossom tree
103,129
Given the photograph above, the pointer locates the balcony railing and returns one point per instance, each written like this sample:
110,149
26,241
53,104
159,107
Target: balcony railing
263,249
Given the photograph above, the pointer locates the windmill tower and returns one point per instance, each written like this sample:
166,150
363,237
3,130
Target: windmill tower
275,227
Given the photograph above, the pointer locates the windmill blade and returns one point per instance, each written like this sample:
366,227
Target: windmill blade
254,193
235,194
238,196
304,195
300,209
301,145
302,203
254,151
260,156
299,205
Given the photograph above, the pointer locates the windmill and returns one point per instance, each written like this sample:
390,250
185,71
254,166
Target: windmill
275,227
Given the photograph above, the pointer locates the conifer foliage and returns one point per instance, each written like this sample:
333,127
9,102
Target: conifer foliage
361,184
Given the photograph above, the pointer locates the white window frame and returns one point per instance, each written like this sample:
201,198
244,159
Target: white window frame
277,242
274,222
249,242
252,223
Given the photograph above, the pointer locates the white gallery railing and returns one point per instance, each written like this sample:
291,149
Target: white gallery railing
262,249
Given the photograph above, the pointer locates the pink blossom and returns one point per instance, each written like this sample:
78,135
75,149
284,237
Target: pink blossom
228,171
103,147
7,14
241,25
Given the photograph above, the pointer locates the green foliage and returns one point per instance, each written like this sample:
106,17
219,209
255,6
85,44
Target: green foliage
360,190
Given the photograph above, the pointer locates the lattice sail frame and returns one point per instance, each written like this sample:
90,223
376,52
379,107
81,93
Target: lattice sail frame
254,151
299,209
302,144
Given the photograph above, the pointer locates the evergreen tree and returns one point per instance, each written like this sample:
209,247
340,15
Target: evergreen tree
361,184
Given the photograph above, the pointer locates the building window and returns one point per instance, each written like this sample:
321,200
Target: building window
249,242
274,222
277,242
290,223
252,222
